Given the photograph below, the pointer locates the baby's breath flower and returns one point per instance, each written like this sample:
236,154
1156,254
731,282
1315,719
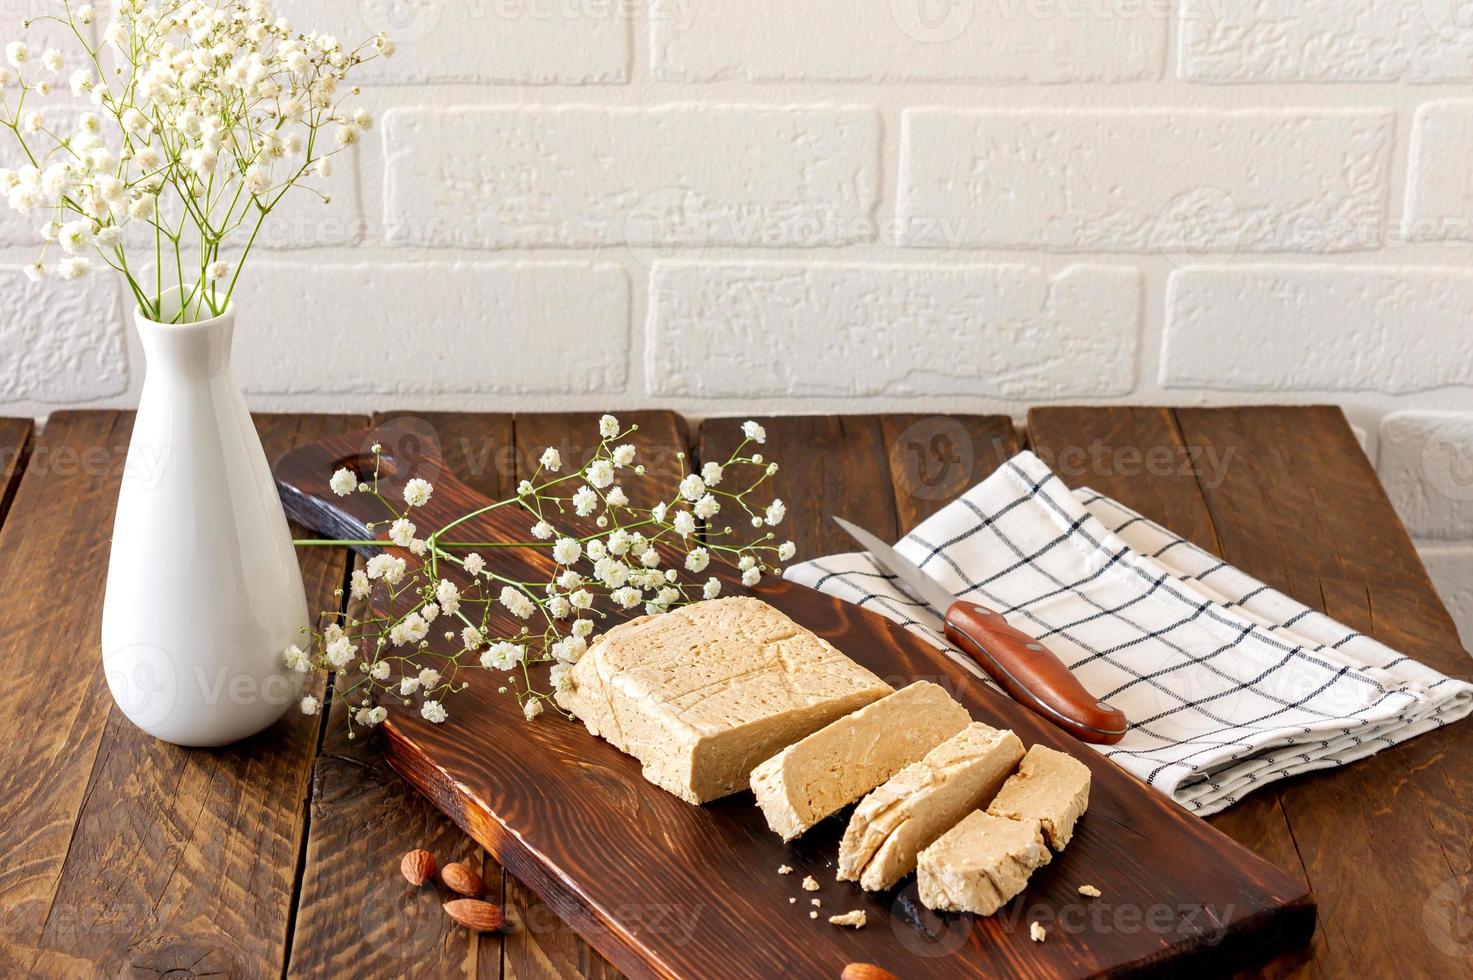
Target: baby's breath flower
585,500
786,551
309,705
517,602
432,711
616,497
692,488
390,568
73,268
712,588
417,492
608,426
542,530
474,563
532,708
294,659
600,473
566,551
623,455
754,432
17,53
401,532
697,559
551,460
776,511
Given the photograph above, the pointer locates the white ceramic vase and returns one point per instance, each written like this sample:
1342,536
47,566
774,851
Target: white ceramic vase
203,588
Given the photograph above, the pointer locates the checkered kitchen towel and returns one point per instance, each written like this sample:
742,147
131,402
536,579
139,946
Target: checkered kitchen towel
1228,685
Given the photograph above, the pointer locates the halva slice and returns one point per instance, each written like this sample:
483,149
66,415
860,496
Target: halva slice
701,694
842,761
979,864
1050,787
922,801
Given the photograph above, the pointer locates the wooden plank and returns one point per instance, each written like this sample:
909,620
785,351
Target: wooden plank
15,452
1137,455
545,945
57,532
356,913
549,800
175,859
831,465
933,459
1300,507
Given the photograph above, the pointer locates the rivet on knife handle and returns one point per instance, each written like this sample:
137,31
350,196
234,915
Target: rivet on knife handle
1031,674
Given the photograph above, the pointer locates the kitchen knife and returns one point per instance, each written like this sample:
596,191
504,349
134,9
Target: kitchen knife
1023,667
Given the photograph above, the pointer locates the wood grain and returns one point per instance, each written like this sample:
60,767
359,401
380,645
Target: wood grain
1137,455
831,464
546,945
664,888
57,532
15,452
1288,495
196,849
356,914
1300,507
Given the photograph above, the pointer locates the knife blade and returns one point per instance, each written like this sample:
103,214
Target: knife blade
1027,670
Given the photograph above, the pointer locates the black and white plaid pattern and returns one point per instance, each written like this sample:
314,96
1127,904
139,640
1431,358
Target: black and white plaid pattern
1228,684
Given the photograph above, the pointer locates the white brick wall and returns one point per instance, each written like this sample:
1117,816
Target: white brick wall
726,206
1008,331
1293,180
510,327
587,175
819,40
1308,328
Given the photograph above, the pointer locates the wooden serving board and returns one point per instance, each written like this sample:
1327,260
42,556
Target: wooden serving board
663,888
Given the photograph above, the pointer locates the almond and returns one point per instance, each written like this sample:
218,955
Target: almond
475,915
866,971
417,867
463,879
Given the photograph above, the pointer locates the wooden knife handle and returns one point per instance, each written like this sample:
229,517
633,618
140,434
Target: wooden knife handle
1031,674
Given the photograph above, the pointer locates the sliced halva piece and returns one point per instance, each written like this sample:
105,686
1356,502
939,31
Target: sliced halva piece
1050,787
701,694
979,864
842,761
922,801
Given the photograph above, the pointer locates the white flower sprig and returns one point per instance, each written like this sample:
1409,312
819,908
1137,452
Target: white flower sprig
207,112
657,557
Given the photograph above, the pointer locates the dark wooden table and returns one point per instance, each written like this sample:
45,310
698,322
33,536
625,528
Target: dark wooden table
124,856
